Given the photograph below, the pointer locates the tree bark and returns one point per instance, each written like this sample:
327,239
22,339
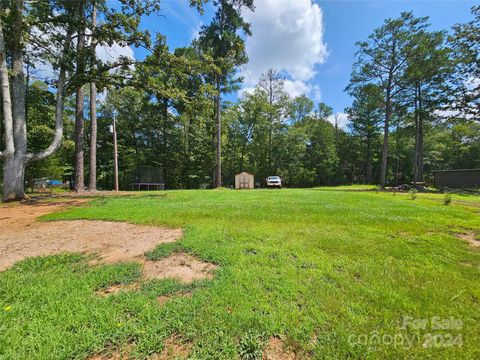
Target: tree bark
14,113
418,158
388,114
115,155
14,178
218,116
80,94
92,183
15,155
270,115
79,128
6,100
18,84
420,135
368,160
415,151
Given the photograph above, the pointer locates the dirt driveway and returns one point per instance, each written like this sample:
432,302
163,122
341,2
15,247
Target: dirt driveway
21,235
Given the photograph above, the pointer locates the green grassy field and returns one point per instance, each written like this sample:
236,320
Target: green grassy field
333,273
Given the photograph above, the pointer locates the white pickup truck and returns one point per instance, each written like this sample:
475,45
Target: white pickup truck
274,181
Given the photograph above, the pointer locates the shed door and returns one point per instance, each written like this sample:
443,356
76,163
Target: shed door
244,182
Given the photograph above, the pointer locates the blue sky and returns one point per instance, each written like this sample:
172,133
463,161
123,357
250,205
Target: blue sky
311,42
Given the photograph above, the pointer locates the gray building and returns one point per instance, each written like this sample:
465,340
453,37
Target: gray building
458,179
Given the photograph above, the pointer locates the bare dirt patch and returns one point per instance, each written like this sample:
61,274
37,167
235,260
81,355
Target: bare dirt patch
14,216
181,266
114,354
276,350
470,237
22,236
174,349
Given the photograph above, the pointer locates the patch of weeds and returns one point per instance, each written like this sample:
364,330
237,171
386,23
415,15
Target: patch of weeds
149,196
328,279
115,274
102,200
250,346
292,256
413,194
308,265
46,262
164,250
164,287
250,251
447,199
273,256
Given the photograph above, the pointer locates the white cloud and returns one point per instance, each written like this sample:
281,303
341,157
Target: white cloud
472,83
341,119
287,36
112,53
246,90
446,113
196,30
296,87
316,93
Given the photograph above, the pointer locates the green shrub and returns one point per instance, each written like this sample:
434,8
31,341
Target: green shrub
250,346
447,199
413,193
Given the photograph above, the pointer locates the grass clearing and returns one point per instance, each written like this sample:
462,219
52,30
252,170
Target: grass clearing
317,268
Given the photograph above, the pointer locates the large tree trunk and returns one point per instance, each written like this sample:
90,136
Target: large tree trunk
415,151
368,167
17,163
418,158
6,101
420,136
386,128
14,113
80,94
14,177
79,128
15,155
92,183
218,116
270,132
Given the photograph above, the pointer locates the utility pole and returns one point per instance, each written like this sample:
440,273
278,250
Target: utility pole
115,150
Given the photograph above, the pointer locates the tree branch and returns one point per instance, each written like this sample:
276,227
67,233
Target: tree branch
59,107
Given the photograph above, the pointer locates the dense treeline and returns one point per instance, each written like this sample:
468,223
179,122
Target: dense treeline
415,103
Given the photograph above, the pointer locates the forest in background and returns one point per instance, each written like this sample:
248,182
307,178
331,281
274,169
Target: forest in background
415,108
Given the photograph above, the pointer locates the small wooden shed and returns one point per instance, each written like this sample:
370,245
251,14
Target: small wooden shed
244,180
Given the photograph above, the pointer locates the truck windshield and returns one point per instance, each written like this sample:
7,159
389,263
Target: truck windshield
273,178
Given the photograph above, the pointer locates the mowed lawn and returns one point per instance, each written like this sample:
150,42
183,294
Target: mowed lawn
334,274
